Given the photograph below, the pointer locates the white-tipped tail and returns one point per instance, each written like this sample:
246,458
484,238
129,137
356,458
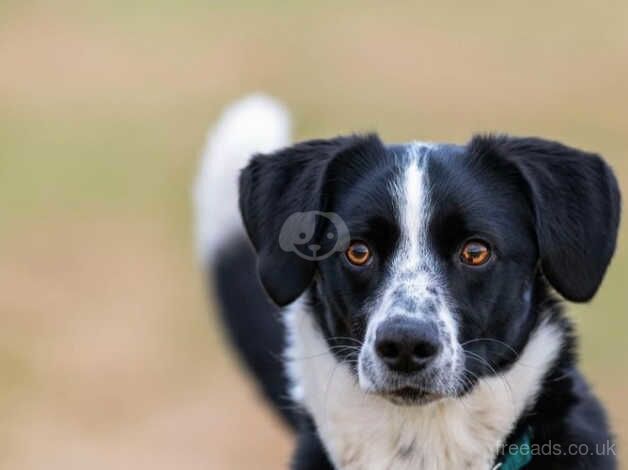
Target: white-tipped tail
254,124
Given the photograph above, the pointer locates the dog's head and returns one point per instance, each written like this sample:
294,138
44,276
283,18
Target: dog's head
439,254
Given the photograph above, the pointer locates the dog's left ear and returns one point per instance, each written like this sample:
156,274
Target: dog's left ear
284,187
576,204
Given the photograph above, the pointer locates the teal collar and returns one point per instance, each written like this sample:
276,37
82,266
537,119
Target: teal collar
518,454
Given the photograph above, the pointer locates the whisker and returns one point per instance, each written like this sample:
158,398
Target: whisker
345,338
338,348
484,361
493,340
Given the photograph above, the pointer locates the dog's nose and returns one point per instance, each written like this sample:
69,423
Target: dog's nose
314,247
406,344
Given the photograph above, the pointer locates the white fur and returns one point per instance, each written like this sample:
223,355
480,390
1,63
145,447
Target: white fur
414,212
362,431
254,124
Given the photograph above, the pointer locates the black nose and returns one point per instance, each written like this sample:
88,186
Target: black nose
406,344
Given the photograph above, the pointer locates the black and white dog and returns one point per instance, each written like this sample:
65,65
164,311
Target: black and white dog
413,291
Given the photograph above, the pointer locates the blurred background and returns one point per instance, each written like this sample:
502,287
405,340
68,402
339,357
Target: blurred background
110,356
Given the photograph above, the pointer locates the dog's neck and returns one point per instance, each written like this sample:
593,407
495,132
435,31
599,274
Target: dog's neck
363,431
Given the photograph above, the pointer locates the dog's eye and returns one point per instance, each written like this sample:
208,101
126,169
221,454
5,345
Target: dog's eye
358,253
475,253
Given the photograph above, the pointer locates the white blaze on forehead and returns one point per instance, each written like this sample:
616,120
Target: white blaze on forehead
413,208
413,211
411,195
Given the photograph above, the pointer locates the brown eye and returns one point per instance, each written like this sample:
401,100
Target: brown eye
475,253
358,253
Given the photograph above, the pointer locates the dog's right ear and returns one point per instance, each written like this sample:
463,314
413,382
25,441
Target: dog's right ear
276,186
576,203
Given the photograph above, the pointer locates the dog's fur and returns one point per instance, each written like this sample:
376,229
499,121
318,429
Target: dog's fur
504,362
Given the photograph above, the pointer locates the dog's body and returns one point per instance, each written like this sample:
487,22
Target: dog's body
402,349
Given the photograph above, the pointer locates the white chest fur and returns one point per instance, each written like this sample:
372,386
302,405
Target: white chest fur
366,432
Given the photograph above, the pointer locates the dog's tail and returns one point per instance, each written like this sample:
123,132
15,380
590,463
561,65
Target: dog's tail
254,124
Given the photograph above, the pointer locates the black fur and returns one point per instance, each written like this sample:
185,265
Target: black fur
575,199
550,212
256,330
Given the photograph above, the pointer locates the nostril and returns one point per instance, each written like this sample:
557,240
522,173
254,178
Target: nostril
387,349
424,350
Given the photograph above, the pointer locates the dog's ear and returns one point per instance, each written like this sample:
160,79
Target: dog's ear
576,205
283,187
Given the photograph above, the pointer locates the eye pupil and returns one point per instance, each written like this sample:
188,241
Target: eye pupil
358,253
475,253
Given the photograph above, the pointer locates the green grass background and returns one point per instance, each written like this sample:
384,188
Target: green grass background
107,356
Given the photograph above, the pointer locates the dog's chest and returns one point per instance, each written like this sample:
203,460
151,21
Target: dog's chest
381,439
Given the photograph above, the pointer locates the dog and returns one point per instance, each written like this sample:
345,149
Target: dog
399,304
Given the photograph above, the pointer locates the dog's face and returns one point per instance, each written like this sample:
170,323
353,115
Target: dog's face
435,279
451,258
